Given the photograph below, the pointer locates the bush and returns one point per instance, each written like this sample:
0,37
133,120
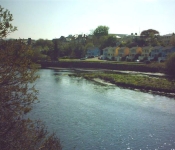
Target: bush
170,65
123,58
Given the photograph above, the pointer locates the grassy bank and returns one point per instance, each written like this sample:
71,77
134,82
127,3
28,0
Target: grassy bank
134,81
127,66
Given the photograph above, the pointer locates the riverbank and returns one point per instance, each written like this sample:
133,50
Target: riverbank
111,65
163,86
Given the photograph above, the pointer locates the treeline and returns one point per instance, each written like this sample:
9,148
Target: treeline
77,47
49,49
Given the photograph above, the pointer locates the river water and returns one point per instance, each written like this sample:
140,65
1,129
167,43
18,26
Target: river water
87,115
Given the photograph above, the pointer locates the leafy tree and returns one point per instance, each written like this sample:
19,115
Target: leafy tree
55,53
89,45
172,40
41,47
79,51
150,36
149,32
140,42
17,93
43,43
36,55
5,23
101,31
67,49
170,64
72,55
109,41
131,44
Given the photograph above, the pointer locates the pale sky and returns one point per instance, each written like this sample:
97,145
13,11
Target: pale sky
50,19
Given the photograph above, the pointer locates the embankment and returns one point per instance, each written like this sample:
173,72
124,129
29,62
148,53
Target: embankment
105,65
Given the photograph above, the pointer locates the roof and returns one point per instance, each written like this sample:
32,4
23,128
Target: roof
120,35
167,47
147,47
92,48
170,34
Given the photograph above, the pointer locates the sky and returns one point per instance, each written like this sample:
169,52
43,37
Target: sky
49,19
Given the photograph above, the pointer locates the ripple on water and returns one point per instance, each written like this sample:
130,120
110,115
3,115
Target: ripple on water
86,115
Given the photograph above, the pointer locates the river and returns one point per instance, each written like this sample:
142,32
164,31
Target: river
87,115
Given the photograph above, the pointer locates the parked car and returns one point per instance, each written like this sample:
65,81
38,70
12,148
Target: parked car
137,60
90,56
100,57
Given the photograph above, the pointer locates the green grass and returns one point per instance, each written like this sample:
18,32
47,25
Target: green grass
153,64
103,64
135,81
98,61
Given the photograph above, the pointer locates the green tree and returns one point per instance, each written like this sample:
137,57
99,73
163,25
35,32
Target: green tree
5,23
89,45
140,42
151,37
99,41
55,54
148,33
110,41
43,43
36,55
172,40
101,31
43,47
170,64
17,93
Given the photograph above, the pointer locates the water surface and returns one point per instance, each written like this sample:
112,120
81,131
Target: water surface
90,116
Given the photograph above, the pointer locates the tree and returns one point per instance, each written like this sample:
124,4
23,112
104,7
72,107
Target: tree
140,42
43,43
89,45
17,93
36,55
150,36
5,23
170,64
42,49
101,31
149,32
55,53
109,41
172,40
